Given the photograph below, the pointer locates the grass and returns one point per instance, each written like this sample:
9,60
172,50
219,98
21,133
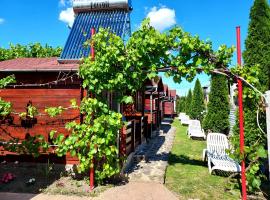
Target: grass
187,175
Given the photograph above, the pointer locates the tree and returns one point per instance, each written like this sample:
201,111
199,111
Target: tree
217,117
197,104
178,105
188,102
35,50
257,53
258,42
181,104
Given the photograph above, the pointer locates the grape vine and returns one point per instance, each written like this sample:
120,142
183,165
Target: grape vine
123,68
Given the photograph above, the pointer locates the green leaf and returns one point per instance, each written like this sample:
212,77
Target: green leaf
127,99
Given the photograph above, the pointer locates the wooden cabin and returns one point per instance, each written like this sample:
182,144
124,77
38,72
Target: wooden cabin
135,133
169,104
51,82
45,83
152,109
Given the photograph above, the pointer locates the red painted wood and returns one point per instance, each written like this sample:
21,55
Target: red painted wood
92,170
123,136
168,108
148,104
41,98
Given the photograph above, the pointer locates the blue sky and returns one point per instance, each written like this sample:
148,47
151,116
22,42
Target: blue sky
28,21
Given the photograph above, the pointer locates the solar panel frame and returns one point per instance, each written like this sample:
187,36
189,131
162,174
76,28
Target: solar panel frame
117,21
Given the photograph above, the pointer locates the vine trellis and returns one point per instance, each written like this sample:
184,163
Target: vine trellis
123,68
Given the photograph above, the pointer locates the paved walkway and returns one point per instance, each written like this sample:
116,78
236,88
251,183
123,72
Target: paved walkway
155,157
138,191
146,177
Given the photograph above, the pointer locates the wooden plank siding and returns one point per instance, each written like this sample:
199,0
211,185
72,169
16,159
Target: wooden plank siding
168,108
41,98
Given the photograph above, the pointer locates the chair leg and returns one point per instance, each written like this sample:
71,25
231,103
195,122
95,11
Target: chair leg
204,155
209,166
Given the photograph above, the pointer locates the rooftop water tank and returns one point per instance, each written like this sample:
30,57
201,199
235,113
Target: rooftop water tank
95,5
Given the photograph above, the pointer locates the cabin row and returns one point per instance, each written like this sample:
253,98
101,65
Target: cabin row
52,82
44,82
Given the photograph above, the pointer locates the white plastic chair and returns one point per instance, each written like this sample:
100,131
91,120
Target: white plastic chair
216,155
181,116
185,120
195,129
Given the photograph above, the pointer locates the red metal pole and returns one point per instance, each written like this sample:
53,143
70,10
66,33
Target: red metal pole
92,170
92,45
241,116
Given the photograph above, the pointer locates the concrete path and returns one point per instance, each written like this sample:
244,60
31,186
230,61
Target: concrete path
138,191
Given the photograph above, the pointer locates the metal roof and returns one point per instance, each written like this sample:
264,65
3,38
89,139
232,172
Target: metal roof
36,65
118,21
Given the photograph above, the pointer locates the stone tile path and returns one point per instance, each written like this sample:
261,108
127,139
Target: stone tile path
154,157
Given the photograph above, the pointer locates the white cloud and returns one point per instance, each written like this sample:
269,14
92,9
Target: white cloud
67,16
65,2
62,2
162,18
2,20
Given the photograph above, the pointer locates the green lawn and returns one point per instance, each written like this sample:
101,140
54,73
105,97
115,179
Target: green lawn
187,175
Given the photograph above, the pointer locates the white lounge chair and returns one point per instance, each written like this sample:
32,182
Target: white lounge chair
216,155
195,129
181,116
185,120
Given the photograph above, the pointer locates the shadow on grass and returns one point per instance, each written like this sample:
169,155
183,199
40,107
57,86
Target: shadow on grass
182,159
175,159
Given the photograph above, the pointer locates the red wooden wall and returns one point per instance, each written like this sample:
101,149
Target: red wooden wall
41,98
168,108
148,104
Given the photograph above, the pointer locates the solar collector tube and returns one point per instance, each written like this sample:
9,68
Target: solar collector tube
73,45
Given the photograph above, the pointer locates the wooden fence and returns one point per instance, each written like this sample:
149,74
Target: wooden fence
132,135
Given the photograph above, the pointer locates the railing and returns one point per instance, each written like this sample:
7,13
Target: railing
132,135
127,138
143,129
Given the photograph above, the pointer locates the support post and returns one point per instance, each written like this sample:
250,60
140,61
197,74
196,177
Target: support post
241,117
123,143
92,169
151,113
81,98
158,112
133,135
268,128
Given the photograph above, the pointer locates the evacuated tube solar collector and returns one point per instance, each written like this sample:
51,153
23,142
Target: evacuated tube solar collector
91,5
111,14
